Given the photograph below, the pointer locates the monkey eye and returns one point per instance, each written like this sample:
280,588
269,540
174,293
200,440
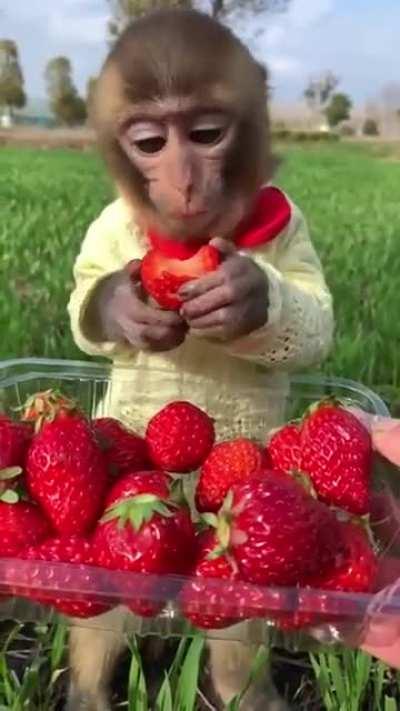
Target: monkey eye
153,144
207,136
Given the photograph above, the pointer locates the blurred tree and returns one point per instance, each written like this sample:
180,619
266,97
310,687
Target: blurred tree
319,90
370,127
65,103
123,11
12,94
338,109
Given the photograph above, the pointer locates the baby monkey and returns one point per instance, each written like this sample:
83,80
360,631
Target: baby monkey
181,115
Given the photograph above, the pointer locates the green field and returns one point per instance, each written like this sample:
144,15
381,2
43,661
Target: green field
350,196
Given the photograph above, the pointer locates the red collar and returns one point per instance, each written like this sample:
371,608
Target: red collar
270,215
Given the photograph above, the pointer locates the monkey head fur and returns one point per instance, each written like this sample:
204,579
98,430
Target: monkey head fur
180,112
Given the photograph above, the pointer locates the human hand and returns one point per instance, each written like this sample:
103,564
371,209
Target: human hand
229,303
122,315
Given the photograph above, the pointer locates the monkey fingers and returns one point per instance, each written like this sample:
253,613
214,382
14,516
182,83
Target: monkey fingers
152,337
229,293
147,315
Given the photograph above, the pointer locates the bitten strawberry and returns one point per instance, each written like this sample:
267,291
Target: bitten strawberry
209,607
336,452
228,463
284,449
21,525
180,437
66,472
276,532
71,589
163,276
356,571
123,450
144,531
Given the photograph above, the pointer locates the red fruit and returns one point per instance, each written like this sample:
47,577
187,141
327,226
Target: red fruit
179,437
209,606
278,534
14,442
337,455
21,525
228,463
143,531
162,276
355,572
71,588
123,450
66,473
284,450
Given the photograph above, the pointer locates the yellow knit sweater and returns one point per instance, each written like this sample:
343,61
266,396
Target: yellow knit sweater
244,383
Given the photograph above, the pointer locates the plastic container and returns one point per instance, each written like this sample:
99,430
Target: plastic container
88,382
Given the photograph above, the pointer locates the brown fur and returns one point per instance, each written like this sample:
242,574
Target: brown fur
191,56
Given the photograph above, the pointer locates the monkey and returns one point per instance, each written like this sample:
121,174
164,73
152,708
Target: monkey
181,114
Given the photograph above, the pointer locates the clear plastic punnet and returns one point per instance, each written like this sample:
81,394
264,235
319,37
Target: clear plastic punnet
89,384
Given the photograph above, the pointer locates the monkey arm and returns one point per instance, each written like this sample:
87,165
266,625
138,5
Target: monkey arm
300,323
99,258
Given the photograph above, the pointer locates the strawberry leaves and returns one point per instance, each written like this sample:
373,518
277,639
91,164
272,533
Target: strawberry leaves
138,510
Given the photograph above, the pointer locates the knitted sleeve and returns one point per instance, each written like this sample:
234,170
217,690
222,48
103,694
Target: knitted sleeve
300,324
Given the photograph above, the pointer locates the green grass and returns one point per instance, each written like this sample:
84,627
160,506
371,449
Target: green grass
350,197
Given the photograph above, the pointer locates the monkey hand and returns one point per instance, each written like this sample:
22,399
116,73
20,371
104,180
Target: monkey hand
122,316
229,303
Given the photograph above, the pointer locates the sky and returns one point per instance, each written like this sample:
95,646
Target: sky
357,39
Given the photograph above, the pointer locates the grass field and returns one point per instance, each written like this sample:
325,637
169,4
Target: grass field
350,196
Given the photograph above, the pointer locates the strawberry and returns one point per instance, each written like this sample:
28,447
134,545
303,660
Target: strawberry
124,450
214,606
14,442
72,588
144,531
284,449
336,452
179,437
21,525
355,572
276,532
163,276
228,463
65,470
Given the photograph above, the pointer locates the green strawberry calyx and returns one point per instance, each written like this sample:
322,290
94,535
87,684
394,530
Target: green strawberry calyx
138,510
222,523
9,496
10,473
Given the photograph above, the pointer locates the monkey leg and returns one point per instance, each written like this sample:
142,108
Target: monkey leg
94,651
230,668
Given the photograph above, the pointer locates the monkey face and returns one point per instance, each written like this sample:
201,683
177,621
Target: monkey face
180,150
180,111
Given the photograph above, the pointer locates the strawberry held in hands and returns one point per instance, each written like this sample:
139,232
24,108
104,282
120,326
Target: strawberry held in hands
163,276
123,450
65,469
179,437
70,588
228,463
144,531
336,452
